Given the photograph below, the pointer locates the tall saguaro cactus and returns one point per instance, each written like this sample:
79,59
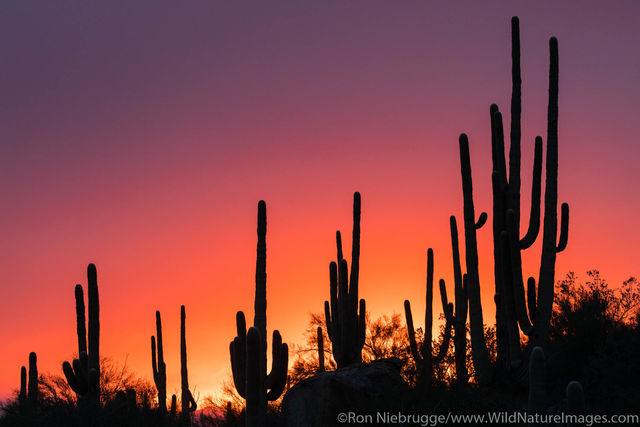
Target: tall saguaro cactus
346,326
248,350
188,403
531,315
423,356
158,366
84,375
479,352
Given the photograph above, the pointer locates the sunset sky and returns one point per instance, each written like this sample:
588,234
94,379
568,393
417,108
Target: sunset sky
141,135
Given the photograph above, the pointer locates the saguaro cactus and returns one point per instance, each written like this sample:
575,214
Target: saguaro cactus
345,326
479,352
423,356
532,316
84,376
460,319
575,401
249,350
188,403
320,350
29,390
158,366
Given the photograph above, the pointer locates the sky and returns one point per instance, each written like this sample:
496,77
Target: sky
140,136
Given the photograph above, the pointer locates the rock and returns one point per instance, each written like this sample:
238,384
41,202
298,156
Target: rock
356,390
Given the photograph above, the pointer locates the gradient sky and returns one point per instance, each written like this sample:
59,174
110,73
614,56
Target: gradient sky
140,136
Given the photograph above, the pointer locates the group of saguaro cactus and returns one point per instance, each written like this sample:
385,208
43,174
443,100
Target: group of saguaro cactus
83,376
29,391
512,309
422,355
346,326
248,350
160,371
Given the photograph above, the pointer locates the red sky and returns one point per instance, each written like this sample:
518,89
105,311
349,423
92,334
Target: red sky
141,137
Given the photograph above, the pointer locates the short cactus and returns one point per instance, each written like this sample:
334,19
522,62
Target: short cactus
248,350
84,375
320,350
29,390
575,400
346,326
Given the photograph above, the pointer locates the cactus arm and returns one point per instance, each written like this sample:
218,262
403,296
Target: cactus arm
564,228
277,379
412,335
425,349
482,219
80,320
237,350
536,189
154,366
444,345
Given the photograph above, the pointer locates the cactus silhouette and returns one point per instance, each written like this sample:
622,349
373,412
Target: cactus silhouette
575,400
479,352
158,366
29,390
84,375
187,401
320,350
174,406
460,318
423,355
248,350
345,326
514,312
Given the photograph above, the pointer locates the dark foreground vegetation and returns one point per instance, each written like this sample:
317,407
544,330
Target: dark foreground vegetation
567,347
